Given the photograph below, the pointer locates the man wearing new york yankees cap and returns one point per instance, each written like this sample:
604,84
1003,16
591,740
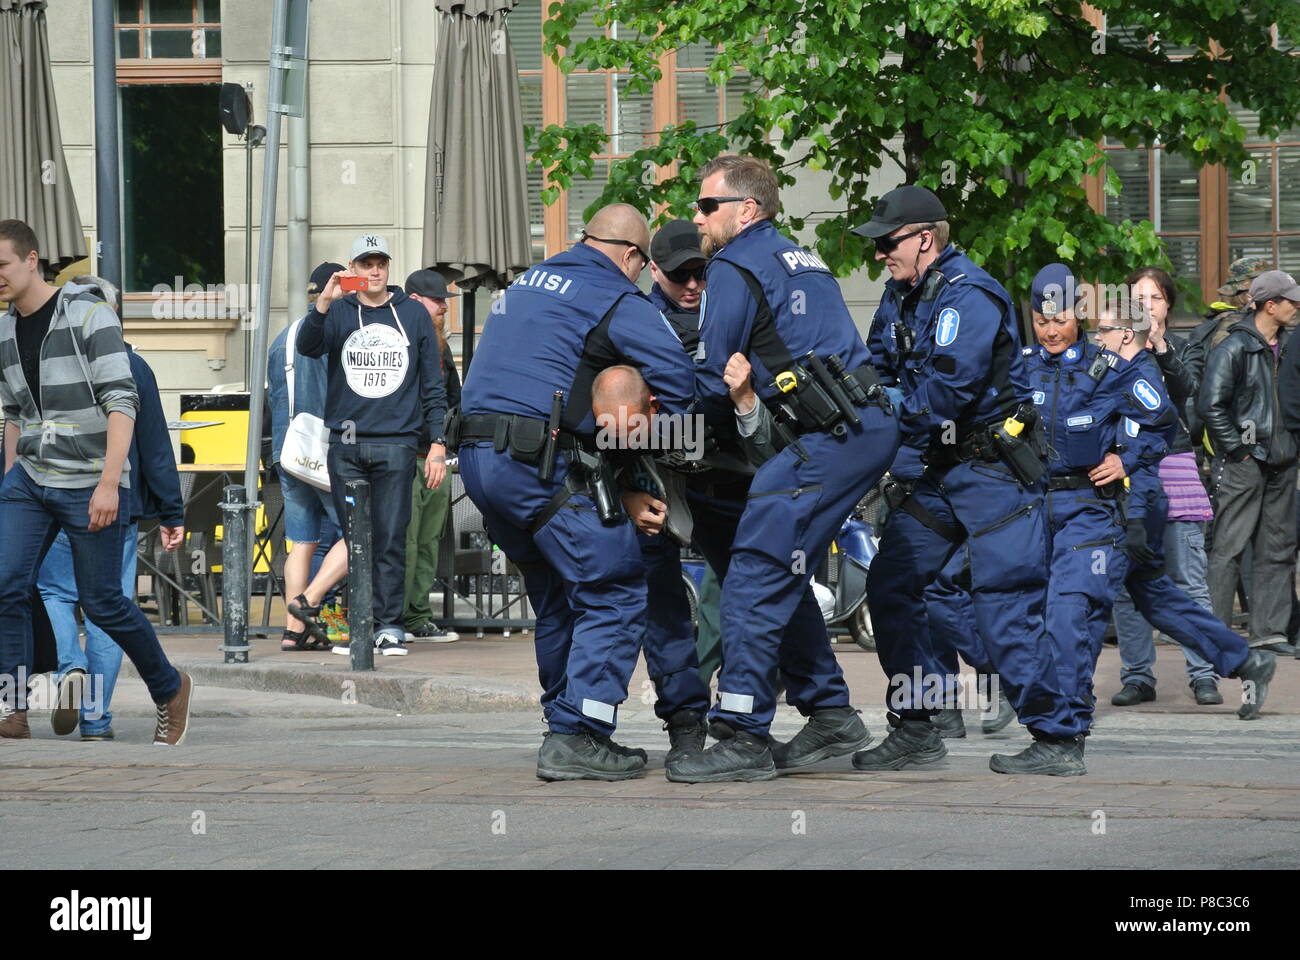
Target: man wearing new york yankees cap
385,390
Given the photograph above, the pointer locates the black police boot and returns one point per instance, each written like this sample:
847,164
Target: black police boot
686,732
636,752
721,730
585,756
831,732
999,714
1207,692
951,725
1254,675
1049,758
1133,693
740,757
909,741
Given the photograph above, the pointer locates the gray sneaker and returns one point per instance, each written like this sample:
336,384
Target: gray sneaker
1254,675
584,756
832,732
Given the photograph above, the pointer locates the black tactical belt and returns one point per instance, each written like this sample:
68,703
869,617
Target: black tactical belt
1070,481
497,427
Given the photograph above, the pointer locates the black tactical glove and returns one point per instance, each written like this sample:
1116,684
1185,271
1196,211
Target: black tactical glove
1135,544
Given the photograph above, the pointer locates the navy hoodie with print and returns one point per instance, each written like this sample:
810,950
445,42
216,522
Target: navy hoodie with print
384,369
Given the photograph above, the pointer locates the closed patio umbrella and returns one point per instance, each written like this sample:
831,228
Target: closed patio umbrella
34,182
476,200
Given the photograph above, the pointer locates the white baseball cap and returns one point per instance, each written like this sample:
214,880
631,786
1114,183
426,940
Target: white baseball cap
367,245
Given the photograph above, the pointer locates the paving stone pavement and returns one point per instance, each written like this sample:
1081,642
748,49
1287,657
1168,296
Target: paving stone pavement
284,780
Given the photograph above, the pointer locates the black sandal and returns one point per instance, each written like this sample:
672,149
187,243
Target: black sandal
304,611
294,640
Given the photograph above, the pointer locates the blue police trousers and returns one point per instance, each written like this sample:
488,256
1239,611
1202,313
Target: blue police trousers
1006,530
669,645
951,614
794,510
584,579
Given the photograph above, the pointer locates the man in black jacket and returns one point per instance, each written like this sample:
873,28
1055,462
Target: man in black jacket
1255,458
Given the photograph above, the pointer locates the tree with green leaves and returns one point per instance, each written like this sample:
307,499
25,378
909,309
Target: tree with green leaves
996,105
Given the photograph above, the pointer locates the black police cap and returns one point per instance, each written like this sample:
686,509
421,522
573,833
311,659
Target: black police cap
899,207
675,243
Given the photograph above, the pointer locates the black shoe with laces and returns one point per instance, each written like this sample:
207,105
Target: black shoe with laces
585,756
1206,692
721,730
1134,693
909,742
744,756
1050,758
950,723
831,732
686,733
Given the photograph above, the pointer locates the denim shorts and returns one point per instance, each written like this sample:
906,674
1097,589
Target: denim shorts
305,507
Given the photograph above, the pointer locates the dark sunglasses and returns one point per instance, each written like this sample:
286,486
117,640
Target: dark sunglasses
645,257
686,274
709,205
888,245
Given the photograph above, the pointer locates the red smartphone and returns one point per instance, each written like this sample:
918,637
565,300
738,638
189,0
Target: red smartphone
353,284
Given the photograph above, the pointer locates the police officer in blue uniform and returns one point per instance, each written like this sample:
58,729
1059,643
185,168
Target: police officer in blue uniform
948,338
1153,590
529,463
781,308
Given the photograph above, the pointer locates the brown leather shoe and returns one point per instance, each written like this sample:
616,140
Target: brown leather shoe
13,726
67,711
174,715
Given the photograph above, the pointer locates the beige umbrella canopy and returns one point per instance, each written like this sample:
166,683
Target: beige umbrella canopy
476,199
34,182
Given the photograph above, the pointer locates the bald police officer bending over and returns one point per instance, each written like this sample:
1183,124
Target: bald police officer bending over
530,464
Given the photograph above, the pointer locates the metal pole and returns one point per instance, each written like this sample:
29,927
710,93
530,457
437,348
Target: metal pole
248,253
235,576
298,241
467,334
361,622
108,180
266,248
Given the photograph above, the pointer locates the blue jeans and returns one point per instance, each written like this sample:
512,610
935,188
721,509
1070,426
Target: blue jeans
1185,562
102,658
30,518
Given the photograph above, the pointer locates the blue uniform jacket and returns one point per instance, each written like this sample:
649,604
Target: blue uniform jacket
1150,425
559,324
798,290
1080,411
965,363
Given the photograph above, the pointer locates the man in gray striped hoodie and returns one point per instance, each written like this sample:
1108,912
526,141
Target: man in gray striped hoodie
69,404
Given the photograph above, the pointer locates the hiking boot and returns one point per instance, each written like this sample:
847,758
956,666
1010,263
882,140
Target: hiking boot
1134,693
909,741
1206,692
721,730
627,751
1051,758
831,732
999,714
950,723
67,710
584,756
174,715
1254,675
744,756
13,724
686,733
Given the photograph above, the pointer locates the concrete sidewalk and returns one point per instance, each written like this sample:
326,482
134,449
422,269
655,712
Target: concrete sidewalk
499,674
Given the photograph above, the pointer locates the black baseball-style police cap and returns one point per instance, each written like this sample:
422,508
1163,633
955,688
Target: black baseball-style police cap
428,283
675,243
899,207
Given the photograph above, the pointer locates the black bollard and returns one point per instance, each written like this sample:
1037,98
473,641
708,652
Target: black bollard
361,624
235,576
